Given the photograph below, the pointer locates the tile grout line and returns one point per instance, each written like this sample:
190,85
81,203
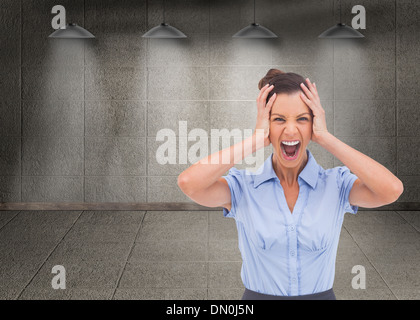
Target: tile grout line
408,222
21,103
128,256
146,67
13,218
84,106
46,259
373,265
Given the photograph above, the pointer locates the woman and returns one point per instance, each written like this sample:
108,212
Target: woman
289,213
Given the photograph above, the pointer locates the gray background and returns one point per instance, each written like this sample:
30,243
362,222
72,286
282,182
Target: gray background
78,119
78,122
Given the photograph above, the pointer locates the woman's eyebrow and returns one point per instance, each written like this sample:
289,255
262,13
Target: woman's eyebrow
284,116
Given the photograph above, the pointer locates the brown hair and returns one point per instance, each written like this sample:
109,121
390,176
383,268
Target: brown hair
283,82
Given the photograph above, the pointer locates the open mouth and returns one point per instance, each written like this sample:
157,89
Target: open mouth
290,149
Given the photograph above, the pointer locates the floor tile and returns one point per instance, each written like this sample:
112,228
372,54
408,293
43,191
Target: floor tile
360,294
225,250
35,293
99,275
161,294
108,251
106,233
225,275
174,225
186,255
226,294
164,275
166,250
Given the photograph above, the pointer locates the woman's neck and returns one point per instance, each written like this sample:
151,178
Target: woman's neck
288,176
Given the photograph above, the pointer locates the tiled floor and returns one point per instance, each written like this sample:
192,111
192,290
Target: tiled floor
184,255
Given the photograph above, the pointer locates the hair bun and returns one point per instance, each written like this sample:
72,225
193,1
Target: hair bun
270,75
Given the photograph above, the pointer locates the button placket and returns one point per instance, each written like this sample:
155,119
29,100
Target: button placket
293,277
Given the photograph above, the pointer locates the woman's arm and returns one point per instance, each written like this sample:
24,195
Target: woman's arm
203,182
376,185
204,173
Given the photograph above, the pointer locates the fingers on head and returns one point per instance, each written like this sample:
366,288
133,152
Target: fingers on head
262,90
271,101
306,90
306,99
264,93
267,90
311,85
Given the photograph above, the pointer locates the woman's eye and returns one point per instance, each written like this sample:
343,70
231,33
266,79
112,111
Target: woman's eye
281,119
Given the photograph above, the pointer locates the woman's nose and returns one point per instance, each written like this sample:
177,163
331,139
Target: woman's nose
290,129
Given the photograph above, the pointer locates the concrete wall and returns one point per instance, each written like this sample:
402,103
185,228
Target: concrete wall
79,118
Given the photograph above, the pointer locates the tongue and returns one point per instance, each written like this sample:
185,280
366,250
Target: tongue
290,150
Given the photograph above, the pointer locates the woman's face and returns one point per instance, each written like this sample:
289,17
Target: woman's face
290,121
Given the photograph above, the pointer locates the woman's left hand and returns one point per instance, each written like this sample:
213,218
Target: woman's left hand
311,99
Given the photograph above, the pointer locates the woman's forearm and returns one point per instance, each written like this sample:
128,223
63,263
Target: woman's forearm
208,170
375,176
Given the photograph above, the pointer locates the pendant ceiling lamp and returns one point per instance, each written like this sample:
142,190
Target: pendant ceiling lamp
164,30
254,30
71,31
341,31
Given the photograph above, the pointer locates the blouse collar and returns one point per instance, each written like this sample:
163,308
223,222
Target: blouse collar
309,173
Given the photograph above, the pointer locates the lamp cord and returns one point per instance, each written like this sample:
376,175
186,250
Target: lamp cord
340,12
163,11
254,11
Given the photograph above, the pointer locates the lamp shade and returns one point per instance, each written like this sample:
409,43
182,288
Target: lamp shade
254,30
164,30
341,30
71,31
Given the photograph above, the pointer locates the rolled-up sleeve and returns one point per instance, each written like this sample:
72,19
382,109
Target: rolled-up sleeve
345,181
234,179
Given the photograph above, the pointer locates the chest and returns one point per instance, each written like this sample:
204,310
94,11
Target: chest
265,215
291,195
311,224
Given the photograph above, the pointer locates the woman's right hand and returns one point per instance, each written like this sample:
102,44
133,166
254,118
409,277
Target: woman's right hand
263,113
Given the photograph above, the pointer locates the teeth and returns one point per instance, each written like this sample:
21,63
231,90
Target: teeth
290,143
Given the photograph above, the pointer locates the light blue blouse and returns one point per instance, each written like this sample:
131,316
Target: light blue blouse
286,253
